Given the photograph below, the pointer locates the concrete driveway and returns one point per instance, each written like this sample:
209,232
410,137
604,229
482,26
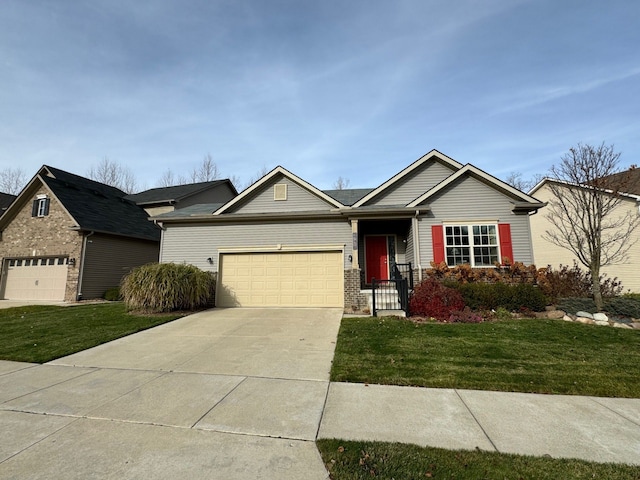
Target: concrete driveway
227,393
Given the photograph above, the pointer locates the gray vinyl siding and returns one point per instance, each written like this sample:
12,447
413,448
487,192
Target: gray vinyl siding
194,244
413,185
108,258
470,200
221,194
298,199
409,253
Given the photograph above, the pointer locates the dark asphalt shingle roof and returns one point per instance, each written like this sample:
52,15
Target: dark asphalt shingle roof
6,199
198,209
99,207
174,193
348,196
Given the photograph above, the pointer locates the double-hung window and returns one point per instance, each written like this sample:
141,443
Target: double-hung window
476,245
40,206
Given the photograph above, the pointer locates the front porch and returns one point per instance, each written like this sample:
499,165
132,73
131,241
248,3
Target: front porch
382,262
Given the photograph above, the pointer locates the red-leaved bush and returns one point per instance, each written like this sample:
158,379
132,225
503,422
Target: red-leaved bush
432,299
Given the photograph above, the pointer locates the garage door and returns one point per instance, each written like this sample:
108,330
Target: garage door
36,278
283,279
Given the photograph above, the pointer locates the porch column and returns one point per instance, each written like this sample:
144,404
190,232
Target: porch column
354,245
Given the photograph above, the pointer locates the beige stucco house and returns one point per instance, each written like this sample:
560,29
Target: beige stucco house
547,253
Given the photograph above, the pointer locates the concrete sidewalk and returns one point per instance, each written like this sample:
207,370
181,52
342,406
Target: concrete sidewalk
590,428
244,393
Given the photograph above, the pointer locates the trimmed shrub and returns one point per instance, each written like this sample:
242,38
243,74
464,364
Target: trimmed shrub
431,298
491,296
165,287
626,306
112,294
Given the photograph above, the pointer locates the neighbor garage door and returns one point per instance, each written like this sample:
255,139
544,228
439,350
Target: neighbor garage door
283,279
36,278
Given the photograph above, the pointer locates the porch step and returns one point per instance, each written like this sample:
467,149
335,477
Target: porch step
391,313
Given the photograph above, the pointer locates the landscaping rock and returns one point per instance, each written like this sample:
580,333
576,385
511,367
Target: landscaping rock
555,314
567,318
635,325
584,315
602,323
621,325
600,316
585,320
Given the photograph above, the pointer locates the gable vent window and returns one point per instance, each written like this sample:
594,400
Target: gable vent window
40,206
280,191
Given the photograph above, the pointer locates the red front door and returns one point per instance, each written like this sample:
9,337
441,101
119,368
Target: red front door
377,258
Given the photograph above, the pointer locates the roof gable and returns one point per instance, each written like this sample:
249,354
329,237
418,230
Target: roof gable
258,192
520,199
432,156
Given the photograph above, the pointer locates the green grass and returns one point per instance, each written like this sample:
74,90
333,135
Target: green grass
42,333
365,460
541,356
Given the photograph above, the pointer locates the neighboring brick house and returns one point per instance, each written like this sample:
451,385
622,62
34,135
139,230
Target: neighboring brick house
67,237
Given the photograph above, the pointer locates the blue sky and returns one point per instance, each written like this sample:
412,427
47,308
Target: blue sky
356,88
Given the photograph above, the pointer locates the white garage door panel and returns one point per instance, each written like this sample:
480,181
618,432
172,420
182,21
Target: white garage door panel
283,279
36,279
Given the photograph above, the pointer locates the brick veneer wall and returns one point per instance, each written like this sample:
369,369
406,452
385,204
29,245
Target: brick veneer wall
354,301
28,236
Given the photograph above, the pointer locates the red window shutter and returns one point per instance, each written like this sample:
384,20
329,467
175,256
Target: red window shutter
437,238
506,248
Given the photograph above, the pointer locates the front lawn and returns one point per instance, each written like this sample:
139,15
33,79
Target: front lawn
41,333
365,460
541,356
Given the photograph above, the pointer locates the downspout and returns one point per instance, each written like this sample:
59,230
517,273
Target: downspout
81,267
162,229
416,243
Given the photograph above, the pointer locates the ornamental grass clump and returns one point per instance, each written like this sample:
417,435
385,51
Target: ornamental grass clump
166,287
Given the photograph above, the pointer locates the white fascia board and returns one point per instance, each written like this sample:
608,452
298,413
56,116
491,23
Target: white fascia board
546,180
433,153
470,169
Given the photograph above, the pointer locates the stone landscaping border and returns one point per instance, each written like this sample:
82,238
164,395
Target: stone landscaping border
587,318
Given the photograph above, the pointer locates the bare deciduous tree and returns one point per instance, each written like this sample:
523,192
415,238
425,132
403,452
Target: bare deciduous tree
112,173
585,209
207,171
168,179
12,180
341,183
259,174
516,180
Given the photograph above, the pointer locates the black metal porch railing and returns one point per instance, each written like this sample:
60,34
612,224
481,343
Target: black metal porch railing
393,294
403,270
